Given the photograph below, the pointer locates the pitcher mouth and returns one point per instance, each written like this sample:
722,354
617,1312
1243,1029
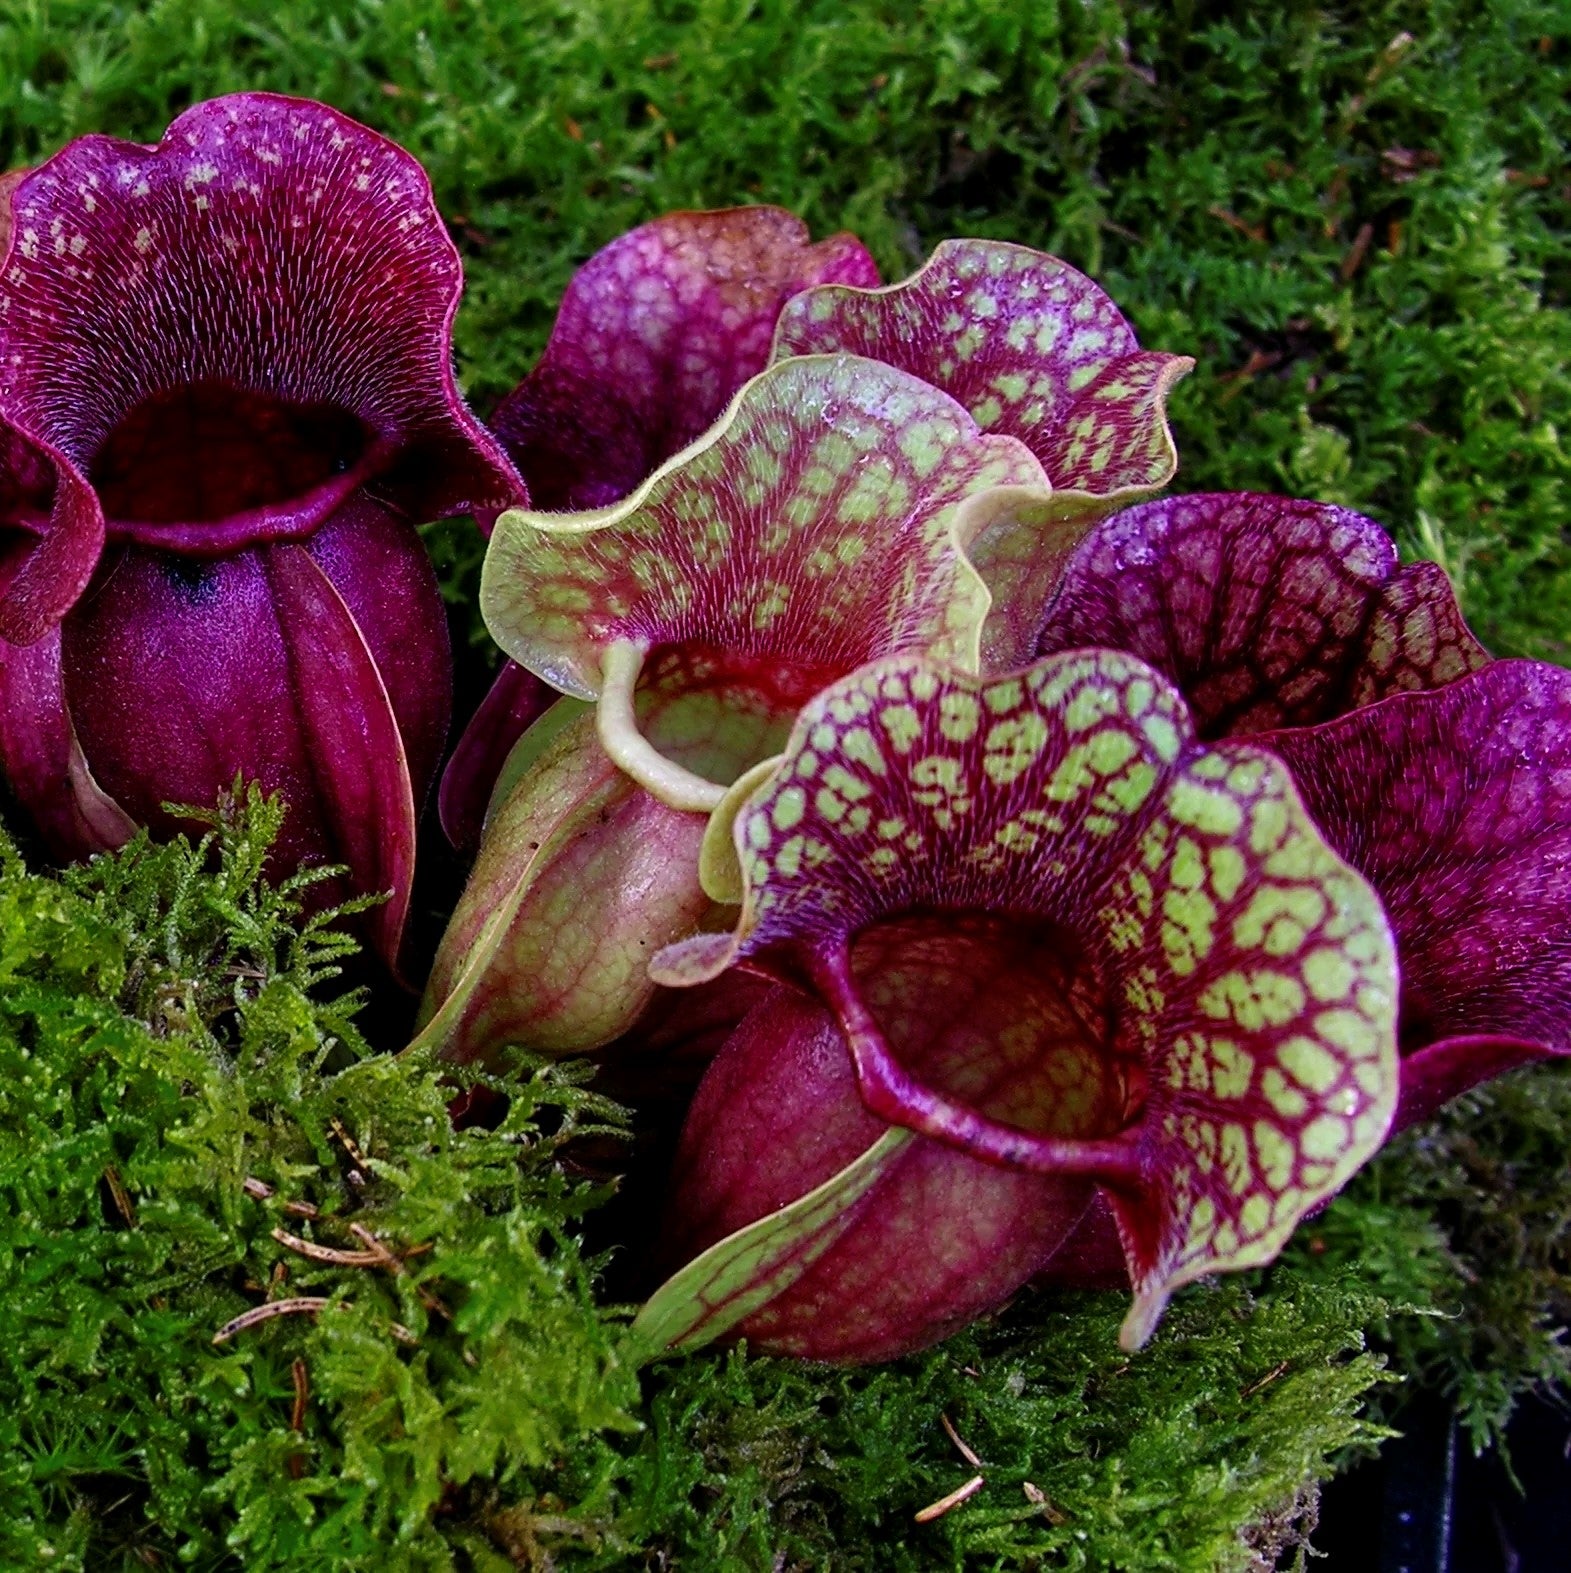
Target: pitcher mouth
28,487
209,468
686,720
1005,1014
992,1032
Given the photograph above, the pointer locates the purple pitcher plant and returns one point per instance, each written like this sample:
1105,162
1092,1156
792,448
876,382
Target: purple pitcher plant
654,336
226,400
1046,942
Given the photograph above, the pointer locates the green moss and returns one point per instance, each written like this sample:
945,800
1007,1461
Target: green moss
164,1056
1154,1462
1469,1215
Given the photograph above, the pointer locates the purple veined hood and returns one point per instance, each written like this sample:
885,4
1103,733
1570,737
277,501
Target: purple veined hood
1439,774
1265,611
229,334
653,337
1455,805
1035,350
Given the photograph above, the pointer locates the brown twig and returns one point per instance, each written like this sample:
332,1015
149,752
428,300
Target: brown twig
355,1155
1334,195
960,1444
301,1377
300,1305
1254,232
1265,1381
1354,259
1038,1498
395,1265
374,1248
381,1252
953,1500
295,1462
1259,361
357,1164
262,1191
326,1253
